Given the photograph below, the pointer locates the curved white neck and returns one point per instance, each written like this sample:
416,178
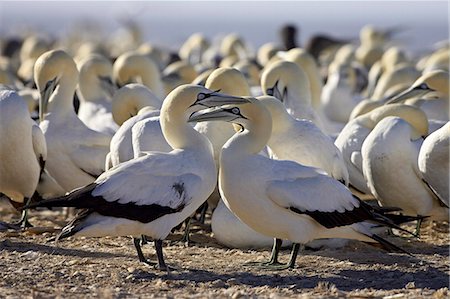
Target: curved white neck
61,100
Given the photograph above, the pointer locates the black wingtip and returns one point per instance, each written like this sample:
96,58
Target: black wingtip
388,246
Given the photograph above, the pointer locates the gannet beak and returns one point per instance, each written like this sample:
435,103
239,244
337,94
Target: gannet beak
275,92
44,97
215,99
414,91
216,113
107,85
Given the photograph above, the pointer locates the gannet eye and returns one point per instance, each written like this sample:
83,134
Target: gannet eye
235,110
422,86
201,96
269,91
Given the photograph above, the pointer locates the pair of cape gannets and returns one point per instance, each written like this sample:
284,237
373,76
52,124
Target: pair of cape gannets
95,89
152,194
76,154
284,199
390,165
23,150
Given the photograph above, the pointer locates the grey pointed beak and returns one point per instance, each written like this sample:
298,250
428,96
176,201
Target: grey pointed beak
414,91
44,97
275,92
215,114
215,99
107,85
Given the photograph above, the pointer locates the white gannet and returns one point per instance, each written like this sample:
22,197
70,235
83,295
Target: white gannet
302,141
76,154
338,95
95,89
152,194
193,48
284,199
23,151
434,162
352,136
288,83
132,67
131,103
389,156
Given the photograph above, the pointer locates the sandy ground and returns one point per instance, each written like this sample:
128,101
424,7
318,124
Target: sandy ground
33,266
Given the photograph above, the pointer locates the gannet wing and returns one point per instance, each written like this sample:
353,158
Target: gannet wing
325,200
39,145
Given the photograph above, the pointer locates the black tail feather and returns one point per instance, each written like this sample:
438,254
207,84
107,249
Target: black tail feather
387,245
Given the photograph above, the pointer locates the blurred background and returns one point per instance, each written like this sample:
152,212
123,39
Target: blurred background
169,23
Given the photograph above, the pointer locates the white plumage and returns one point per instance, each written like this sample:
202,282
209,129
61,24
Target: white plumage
76,154
434,162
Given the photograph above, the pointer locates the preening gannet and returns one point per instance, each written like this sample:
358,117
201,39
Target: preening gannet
132,67
152,194
302,141
23,151
352,136
288,83
284,199
95,89
131,103
76,154
389,156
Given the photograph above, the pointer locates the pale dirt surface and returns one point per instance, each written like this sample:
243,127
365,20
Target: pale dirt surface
32,266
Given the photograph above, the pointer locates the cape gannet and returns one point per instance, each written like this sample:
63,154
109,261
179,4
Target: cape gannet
23,151
284,199
95,89
76,154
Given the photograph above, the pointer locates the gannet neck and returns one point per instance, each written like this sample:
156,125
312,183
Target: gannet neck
57,66
174,116
255,134
281,119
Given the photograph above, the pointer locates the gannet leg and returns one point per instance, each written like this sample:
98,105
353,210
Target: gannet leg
273,256
203,210
159,253
419,224
291,264
142,259
23,222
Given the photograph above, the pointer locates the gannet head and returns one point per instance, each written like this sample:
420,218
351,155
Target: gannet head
282,78
51,69
251,116
96,69
266,52
130,99
228,80
433,81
